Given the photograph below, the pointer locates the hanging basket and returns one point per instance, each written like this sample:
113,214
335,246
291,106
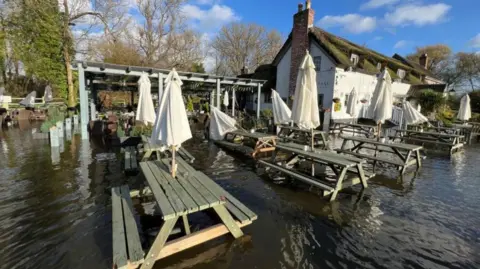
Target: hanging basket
336,100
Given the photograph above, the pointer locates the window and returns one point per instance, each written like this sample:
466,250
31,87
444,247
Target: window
354,59
401,73
346,99
320,100
267,97
317,60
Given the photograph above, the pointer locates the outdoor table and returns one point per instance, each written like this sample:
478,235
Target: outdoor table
348,171
303,136
364,129
452,141
263,142
189,192
405,155
149,148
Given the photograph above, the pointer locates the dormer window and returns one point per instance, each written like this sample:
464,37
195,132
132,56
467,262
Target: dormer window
401,73
379,66
354,59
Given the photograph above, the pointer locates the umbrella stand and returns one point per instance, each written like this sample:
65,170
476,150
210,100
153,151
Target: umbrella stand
174,165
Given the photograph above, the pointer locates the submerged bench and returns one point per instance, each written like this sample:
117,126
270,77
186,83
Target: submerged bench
189,192
127,248
130,159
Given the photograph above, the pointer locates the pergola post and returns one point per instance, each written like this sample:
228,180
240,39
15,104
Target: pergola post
258,100
93,101
83,101
218,94
132,98
160,87
233,102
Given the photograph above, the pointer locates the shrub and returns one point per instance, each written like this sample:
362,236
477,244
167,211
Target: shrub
266,113
142,130
189,104
430,100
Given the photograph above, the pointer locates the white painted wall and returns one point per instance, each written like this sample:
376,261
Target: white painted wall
325,76
283,74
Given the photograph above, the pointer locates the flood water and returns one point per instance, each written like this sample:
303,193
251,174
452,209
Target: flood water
55,212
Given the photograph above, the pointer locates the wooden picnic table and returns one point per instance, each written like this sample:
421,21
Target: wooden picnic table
149,148
355,128
405,155
451,141
262,142
303,136
347,170
189,192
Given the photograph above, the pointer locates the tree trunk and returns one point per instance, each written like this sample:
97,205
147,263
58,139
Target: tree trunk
471,84
66,55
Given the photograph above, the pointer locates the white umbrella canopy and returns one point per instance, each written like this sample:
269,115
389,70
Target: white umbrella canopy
226,102
281,112
145,109
305,105
412,115
220,124
171,125
381,104
2,90
352,103
29,100
48,95
464,112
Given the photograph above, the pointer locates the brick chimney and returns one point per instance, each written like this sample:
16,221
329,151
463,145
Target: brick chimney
244,70
423,60
302,21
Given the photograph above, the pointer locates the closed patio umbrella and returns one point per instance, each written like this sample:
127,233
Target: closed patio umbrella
412,115
226,101
381,104
464,112
171,125
145,109
2,90
29,100
48,95
281,112
352,103
220,124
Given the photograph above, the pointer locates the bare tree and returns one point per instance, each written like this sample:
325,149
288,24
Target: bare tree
246,45
439,57
468,65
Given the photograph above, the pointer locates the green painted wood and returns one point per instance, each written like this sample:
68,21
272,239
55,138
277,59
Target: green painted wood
233,204
168,212
186,155
159,242
254,135
120,258
372,158
193,180
163,179
296,129
376,142
297,176
235,147
339,185
428,141
135,251
187,199
328,159
228,221
186,225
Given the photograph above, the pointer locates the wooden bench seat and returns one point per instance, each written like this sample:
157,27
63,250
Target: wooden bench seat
127,248
371,157
235,147
130,159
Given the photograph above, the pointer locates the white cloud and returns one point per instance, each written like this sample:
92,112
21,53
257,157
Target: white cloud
378,38
207,2
400,44
419,15
212,18
352,23
475,42
372,4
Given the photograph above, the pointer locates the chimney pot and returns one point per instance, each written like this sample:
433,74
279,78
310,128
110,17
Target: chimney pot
423,60
300,7
308,4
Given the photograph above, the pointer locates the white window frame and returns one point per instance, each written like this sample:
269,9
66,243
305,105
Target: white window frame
317,60
354,58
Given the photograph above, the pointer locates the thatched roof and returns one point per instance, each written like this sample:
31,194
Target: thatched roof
266,72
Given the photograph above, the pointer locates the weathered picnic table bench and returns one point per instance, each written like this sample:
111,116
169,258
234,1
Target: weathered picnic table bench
191,191
355,128
475,131
149,148
347,170
404,155
452,141
262,142
303,136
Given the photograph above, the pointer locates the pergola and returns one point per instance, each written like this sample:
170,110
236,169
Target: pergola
92,75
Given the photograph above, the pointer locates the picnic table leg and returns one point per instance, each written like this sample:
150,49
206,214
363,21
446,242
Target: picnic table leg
146,155
362,175
338,186
406,162
419,159
227,219
158,244
186,225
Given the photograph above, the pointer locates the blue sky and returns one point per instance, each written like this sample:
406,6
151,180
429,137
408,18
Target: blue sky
387,26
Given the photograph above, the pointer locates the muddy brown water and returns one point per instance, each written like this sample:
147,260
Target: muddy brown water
55,212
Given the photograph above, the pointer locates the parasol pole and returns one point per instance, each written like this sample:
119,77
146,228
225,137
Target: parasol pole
313,150
174,165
